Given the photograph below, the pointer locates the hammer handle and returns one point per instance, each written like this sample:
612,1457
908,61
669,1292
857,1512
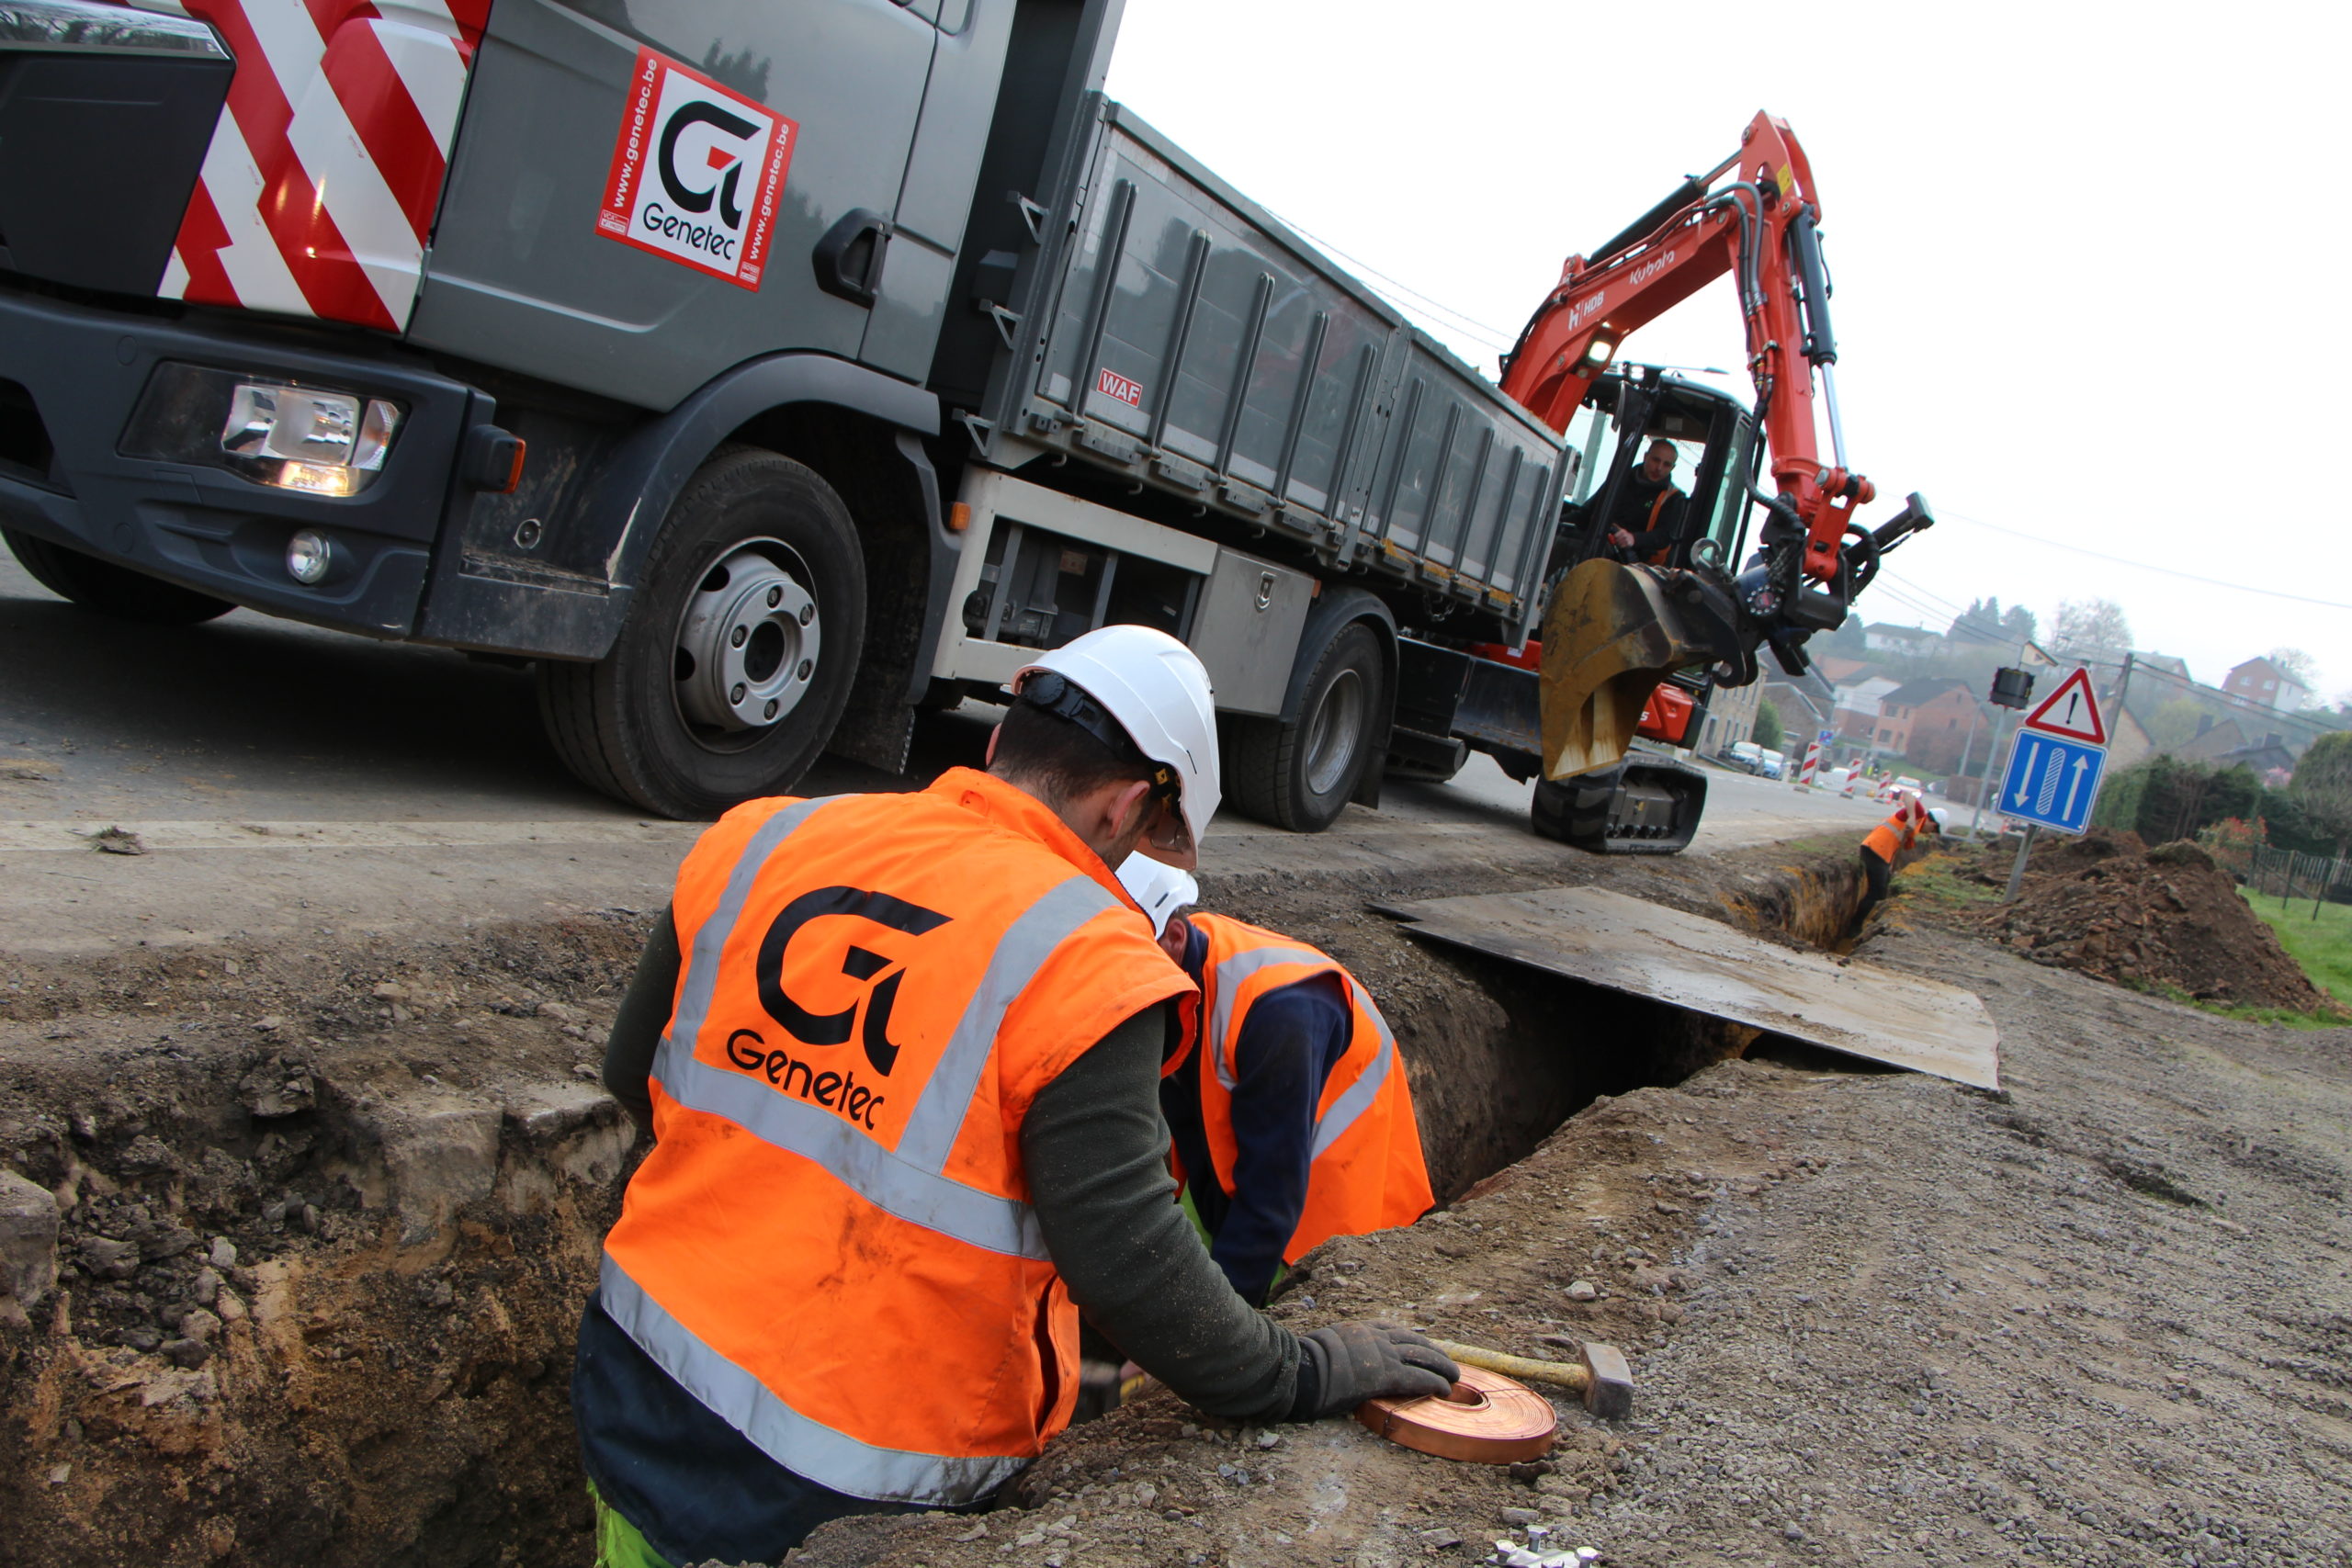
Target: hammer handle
1559,1373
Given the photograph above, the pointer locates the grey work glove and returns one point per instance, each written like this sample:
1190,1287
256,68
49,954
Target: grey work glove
1356,1361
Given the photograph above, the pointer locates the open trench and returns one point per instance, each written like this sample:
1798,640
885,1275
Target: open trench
329,1217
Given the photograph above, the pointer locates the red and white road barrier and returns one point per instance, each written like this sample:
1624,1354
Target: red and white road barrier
1810,766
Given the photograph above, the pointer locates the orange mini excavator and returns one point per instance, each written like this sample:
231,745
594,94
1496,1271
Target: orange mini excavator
1631,648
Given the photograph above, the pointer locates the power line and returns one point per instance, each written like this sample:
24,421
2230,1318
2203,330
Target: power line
2144,566
1492,337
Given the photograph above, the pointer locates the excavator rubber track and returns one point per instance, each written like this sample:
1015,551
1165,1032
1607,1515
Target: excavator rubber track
1646,805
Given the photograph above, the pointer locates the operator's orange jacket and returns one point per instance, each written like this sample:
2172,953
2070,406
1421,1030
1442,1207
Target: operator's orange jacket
1898,832
1367,1173
831,1245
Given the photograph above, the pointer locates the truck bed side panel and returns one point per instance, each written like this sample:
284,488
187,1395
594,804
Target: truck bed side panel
1187,340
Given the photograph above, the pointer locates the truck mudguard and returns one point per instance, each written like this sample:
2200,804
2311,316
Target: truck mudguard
637,482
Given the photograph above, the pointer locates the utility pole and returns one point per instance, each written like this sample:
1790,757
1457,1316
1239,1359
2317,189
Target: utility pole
1967,749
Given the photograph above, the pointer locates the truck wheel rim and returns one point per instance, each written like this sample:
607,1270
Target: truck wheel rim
1334,732
748,645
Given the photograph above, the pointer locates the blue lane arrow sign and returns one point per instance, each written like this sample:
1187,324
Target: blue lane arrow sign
2052,781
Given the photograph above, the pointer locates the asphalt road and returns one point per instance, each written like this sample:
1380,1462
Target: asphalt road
411,781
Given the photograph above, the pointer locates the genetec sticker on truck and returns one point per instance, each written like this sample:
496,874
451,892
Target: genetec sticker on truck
696,172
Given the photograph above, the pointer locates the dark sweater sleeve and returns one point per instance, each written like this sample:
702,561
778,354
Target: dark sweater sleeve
1096,1152
1291,1039
644,1014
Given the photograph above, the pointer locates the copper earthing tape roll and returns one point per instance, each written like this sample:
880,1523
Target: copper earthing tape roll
1487,1419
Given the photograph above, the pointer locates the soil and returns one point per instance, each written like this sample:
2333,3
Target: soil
329,1207
2168,919
2099,1317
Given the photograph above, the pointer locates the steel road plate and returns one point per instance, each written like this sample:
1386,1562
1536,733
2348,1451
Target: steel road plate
1648,950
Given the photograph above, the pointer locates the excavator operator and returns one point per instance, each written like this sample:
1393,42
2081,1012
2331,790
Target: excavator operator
1285,1100
1647,518
901,1057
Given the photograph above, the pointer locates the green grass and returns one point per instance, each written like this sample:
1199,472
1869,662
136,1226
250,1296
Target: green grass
1939,880
2323,947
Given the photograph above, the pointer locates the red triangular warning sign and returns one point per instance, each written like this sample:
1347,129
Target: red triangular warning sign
2072,711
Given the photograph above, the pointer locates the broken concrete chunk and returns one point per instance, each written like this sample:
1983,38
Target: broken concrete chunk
190,1354
223,1254
440,1156
28,1221
199,1326
229,1308
389,992
164,1238
108,1258
277,1086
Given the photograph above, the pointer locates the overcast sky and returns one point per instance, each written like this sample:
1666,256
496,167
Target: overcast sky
2089,270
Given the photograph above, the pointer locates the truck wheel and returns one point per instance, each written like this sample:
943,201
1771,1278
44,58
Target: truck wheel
115,590
1301,775
735,661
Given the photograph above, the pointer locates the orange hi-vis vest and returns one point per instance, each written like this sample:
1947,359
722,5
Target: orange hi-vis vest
831,1245
1367,1172
1898,833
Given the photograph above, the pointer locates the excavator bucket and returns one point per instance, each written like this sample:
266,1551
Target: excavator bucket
1614,632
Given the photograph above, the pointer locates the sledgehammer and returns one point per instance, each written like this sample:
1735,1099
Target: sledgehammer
1601,1378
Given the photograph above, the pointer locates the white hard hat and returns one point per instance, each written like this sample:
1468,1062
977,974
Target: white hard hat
1159,888
1941,816
1155,690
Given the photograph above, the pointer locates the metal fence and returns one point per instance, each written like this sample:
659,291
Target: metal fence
2289,874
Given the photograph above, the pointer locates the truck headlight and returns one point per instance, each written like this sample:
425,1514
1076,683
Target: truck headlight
275,433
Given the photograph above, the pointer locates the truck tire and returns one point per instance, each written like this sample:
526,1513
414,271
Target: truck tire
735,659
113,589
1301,775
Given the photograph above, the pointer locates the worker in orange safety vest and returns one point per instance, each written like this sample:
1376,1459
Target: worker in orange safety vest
1286,1099
1886,842
900,1055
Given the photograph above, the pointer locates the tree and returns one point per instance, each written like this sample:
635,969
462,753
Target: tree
2173,725
2323,788
2018,624
2090,628
1979,625
2296,665
1768,730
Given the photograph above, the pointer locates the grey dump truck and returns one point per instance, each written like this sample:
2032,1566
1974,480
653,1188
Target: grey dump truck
762,373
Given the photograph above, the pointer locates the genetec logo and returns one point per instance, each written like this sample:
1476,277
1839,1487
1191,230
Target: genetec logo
696,172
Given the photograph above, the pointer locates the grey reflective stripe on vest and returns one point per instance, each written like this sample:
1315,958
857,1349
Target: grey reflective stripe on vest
906,1181
1358,1097
1224,981
805,1446
1027,942
710,938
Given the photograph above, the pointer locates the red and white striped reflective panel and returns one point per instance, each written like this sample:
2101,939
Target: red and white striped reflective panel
318,188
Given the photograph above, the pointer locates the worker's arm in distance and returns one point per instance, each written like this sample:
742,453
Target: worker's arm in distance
1291,1039
1096,1153
637,1027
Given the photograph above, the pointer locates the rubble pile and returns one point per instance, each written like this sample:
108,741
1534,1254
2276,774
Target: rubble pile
2168,918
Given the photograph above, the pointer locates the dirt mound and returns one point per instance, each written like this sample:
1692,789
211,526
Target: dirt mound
2167,917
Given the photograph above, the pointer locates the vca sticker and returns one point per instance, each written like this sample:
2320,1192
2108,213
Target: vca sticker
696,172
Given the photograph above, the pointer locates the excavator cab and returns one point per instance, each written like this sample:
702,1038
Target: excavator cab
1712,438
1623,659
